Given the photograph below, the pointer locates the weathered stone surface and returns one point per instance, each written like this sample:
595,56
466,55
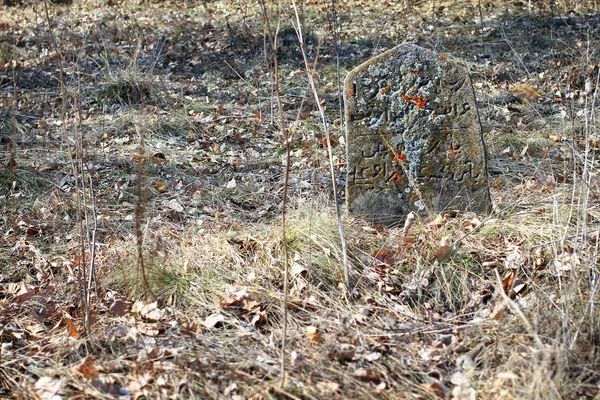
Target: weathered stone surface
414,138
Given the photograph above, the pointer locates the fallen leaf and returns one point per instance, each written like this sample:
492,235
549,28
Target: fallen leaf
159,158
152,312
343,353
443,253
160,186
556,138
213,320
314,334
328,388
231,184
370,229
458,378
25,296
439,389
374,356
47,388
87,368
367,375
259,317
508,280
498,312
119,308
73,331
463,393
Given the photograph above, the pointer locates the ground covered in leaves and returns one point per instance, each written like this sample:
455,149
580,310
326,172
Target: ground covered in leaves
178,98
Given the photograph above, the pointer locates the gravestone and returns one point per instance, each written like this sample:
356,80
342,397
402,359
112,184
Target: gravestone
414,138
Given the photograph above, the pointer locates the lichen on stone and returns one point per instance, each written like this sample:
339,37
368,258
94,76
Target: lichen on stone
414,141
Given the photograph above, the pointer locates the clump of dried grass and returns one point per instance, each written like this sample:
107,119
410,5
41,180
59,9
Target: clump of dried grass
203,262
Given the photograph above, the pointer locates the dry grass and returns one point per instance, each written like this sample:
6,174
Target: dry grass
508,313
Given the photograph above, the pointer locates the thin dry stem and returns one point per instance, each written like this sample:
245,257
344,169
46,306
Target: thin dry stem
286,139
140,207
74,166
298,27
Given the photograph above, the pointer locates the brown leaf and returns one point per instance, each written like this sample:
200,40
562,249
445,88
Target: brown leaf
367,375
159,158
498,311
249,305
385,256
154,353
556,138
160,186
73,331
525,91
314,334
25,296
439,389
229,302
508,280
259,318
87,368
343,353
443,253
119,308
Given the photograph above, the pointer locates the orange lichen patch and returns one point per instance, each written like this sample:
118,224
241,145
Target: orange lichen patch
382,90
396,176
400,157
420,102
452,151
416,100
350,93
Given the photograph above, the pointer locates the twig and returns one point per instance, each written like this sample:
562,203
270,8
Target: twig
63,89
286,139
92,270
140,207
12,163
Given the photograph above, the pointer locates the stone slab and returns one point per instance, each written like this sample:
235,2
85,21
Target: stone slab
414,138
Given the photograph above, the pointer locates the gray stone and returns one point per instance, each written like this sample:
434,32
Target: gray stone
414,138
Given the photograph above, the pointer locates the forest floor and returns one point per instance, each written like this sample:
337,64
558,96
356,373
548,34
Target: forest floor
178,98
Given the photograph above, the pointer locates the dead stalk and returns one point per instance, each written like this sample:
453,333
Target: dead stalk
140,207
12,163
286,140
313,88
92,270
74,166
